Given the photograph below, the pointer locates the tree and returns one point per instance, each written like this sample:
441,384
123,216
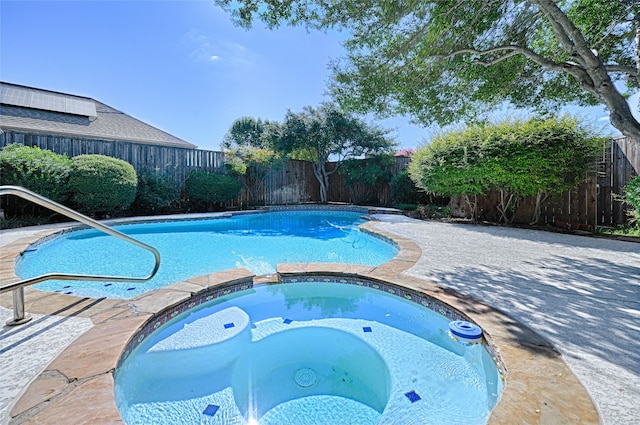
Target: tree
246,132
318,134
446,60
452,166
249,154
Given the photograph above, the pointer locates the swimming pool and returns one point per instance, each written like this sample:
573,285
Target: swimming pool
306,353
195,247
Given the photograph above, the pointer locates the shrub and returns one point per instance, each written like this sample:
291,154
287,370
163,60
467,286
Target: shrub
206,190
154,194
41,171
102,185
538,157
405,191
632,197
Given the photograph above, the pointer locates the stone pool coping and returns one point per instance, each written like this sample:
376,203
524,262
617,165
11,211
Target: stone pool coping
77,387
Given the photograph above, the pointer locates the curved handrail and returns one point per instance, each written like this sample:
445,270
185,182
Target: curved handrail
68,212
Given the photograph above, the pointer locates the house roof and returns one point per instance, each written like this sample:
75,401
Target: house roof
43,111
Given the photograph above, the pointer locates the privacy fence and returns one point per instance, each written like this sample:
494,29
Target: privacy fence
594,202
168,161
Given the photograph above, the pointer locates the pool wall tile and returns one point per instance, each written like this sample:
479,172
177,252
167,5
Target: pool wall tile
413,396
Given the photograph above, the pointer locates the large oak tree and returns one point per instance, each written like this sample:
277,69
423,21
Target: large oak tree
444,61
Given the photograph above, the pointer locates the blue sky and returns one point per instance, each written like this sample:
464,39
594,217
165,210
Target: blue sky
181,66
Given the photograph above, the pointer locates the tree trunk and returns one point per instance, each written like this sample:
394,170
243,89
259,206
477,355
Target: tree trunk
322,176
590,72
540,198
472,205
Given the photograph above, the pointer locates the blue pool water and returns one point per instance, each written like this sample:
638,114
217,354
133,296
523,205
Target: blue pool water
192,248
307,354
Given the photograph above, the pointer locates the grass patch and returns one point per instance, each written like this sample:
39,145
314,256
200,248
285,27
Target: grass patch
619,231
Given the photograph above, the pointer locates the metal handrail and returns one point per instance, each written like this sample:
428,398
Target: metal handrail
18,287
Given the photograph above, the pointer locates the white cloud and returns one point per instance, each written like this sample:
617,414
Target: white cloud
206,49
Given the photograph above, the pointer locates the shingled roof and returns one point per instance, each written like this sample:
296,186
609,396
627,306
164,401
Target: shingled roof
35,110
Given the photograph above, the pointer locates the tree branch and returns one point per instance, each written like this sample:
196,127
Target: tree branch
627,69
511,51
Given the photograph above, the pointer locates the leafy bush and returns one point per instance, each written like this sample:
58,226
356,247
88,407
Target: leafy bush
632,197
405,191
102,185
154,194
538,157
41,171
206,191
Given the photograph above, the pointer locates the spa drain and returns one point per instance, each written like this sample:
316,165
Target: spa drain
305,377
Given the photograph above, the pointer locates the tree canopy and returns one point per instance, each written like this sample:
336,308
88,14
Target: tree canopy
449,60
250,154
324,133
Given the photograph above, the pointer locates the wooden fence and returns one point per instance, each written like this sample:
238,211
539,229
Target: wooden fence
594,202
167,161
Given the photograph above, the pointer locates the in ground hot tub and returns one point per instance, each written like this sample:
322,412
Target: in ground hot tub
321,352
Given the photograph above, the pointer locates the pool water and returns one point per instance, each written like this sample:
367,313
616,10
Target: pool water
192,248
307,353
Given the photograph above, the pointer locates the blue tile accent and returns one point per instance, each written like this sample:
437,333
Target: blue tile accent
108,284
287,321
413,396
228,325
68,293
211,410
65,287
130,289
367,329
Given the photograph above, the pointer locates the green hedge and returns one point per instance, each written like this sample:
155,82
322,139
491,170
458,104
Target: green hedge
41,171
102,185
206,191
38,170
155,194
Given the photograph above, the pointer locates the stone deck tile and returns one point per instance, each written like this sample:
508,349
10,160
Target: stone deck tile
267,278
326,267
46,387
391,268
156,301
291,268
98,350
190,287
356,269
213,279
89,403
